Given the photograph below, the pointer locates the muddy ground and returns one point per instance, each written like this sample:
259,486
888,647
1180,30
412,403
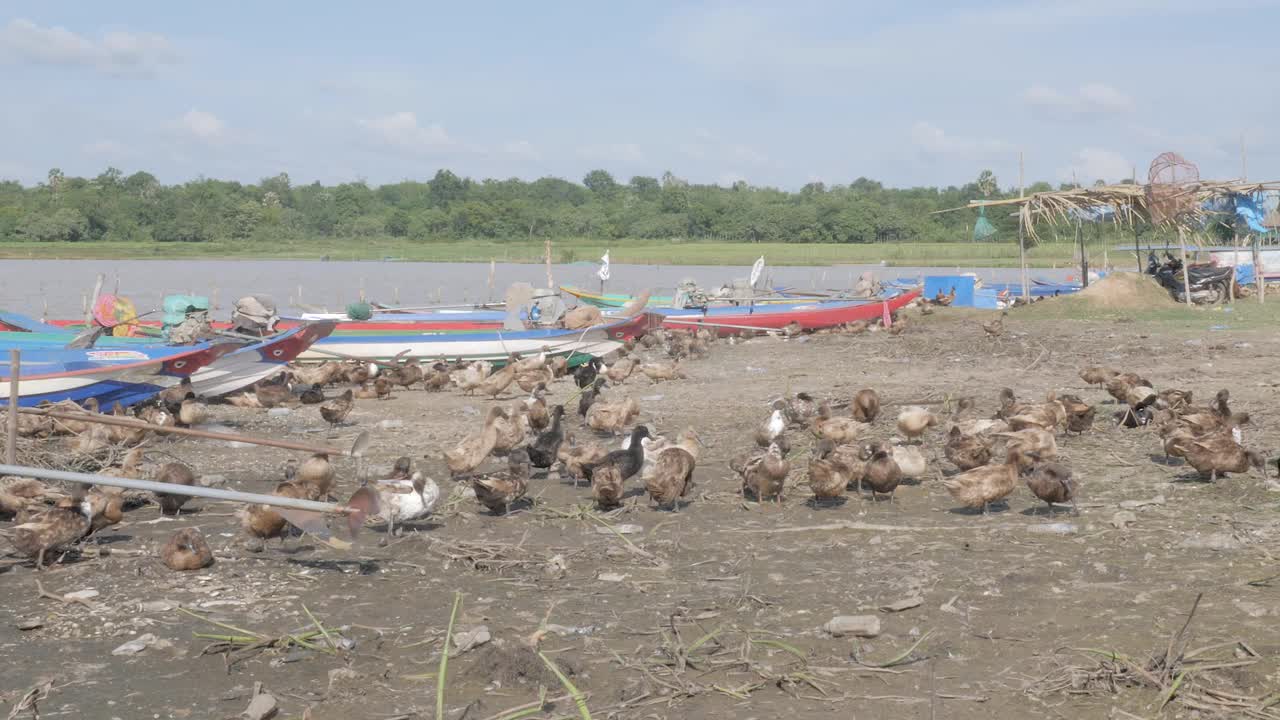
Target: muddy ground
717,611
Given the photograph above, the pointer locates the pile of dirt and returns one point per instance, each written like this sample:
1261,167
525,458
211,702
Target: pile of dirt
1124,291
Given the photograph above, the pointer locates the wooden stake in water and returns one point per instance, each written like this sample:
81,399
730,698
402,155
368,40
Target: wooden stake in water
362,296
546,255
395,295
97,290
493,270
11,441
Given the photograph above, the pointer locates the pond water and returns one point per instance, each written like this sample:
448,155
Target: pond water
60,287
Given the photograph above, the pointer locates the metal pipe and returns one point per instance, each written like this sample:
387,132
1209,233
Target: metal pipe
89,417
175,489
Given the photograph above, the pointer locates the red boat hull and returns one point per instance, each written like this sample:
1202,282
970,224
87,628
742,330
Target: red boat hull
817,318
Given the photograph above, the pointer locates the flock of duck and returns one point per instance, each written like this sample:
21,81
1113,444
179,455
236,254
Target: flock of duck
846,449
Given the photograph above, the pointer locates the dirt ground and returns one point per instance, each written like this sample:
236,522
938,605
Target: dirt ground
717,611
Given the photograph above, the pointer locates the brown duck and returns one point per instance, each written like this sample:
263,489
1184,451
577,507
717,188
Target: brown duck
866,405
186,550
336,410
967,451
174,474
497,491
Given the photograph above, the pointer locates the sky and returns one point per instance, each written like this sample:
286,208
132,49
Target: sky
777,94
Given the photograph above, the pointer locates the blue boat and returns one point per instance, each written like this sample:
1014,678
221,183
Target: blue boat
109,375
247,363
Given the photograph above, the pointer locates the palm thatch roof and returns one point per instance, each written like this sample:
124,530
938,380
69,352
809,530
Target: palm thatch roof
1163,205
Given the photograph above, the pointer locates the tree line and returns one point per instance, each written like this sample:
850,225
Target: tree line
138,208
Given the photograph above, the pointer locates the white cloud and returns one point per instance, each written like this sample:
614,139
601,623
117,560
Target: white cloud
1088,99
608,153
202,125
522,149
1090,164
108,148
401,130
933,140
116,51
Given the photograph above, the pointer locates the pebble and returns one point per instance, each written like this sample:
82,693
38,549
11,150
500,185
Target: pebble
136,645
564,630
262,707
81,595
157,606
611,577
473,638
390,424
29,623
278,412
213,480
867,626
903,604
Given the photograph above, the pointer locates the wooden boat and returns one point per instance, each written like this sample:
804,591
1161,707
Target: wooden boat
111,375
238,369
494,346
805,316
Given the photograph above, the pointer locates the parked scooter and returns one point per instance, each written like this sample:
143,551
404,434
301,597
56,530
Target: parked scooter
1209,283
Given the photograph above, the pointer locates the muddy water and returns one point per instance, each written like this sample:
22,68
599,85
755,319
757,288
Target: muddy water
27,285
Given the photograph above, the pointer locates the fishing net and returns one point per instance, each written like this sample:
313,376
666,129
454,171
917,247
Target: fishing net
360,311
982,227
1171,184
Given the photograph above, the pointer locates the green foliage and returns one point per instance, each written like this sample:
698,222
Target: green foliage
136,208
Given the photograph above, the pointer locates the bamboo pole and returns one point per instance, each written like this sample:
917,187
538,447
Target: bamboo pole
175,489
1022,231
11,440
1258,276
357,449
1186,269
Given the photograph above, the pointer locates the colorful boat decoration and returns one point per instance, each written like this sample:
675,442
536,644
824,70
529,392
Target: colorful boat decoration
805,316
238,369
494,346
109,375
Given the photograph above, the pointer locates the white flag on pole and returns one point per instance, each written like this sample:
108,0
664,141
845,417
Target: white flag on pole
603,272
756,270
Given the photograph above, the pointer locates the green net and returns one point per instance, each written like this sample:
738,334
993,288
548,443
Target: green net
359,311
982,228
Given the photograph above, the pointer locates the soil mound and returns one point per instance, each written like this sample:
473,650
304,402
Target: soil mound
1124,291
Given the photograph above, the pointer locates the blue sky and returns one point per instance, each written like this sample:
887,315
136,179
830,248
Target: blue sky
781,94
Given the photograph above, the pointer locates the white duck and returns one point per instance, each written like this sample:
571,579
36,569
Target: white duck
406,495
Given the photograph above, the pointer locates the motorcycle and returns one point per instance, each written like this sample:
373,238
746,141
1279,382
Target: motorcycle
1209,283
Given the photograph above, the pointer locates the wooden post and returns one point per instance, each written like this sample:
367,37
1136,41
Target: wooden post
362,295
493,271
1084,257
395,295
546,255
1186,268
97,290
1022,231
11,441
1258,276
